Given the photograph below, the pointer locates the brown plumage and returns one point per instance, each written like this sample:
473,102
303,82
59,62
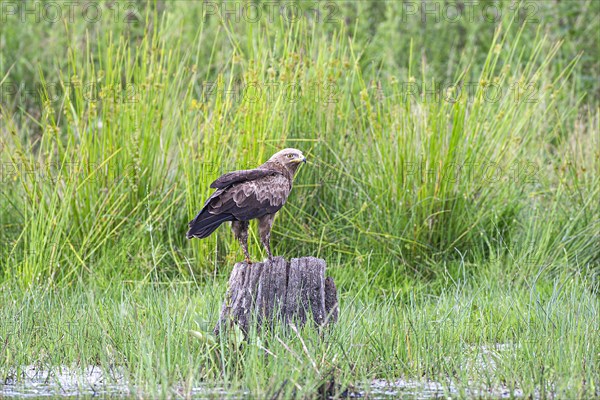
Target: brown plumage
244,195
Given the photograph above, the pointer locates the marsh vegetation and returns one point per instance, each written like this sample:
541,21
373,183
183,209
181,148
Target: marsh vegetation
453,186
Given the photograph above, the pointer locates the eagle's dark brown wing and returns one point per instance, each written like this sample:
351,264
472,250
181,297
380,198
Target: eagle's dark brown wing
253,199
240,176
241,196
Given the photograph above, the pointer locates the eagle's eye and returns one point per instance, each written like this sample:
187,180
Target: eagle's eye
290,155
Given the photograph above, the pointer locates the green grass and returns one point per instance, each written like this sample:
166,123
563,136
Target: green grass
449,222
539,337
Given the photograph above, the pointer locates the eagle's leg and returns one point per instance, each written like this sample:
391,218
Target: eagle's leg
240,230
264,231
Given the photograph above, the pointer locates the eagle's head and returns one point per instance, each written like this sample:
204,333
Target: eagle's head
290,159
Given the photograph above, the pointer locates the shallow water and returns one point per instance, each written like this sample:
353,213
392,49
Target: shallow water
89,382
427,389
93,385
92,381
64,381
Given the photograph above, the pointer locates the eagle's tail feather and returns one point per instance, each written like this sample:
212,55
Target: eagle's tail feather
205,224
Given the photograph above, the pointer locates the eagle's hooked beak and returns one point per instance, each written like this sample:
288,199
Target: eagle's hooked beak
300,160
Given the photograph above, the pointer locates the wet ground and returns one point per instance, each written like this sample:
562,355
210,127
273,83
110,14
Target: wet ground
92,381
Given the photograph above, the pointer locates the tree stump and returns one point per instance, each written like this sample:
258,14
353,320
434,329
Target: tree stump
278,290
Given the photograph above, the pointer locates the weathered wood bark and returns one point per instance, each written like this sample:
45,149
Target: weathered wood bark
274,290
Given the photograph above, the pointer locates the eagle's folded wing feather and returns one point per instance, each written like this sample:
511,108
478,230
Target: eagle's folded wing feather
240,176
252,199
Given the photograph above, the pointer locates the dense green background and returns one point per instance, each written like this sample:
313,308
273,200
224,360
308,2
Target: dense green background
146,104
114,121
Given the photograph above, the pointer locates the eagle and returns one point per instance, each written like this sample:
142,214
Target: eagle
249,194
